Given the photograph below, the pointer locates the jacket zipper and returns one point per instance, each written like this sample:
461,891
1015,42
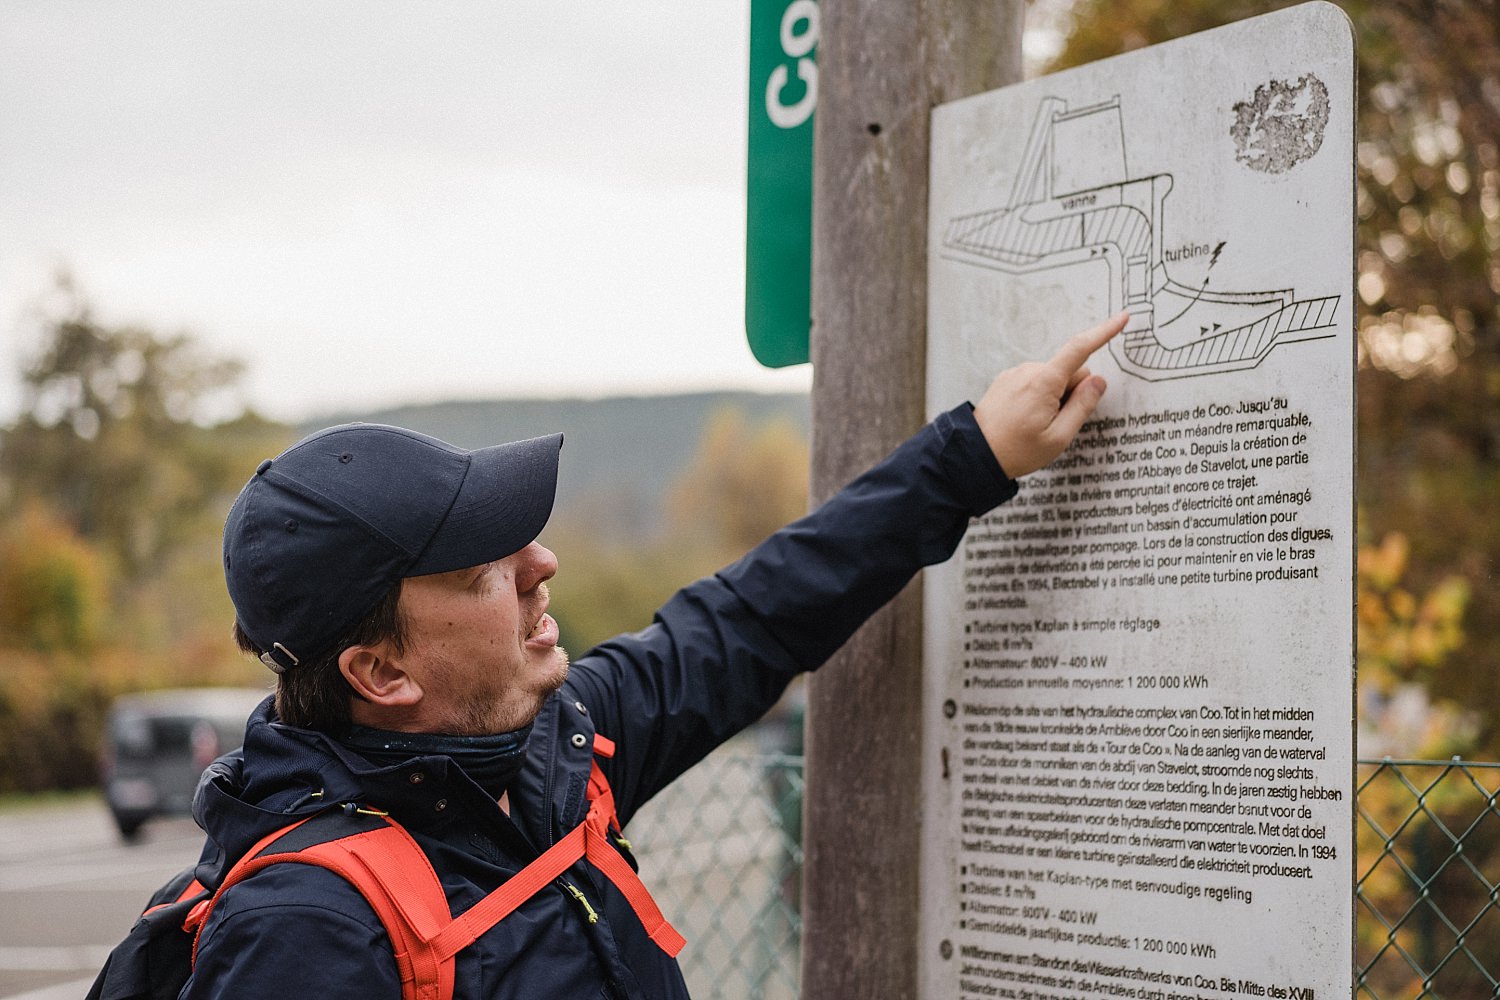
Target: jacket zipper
613,988
583,901
551,770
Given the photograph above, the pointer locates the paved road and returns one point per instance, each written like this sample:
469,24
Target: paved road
69,889
709,845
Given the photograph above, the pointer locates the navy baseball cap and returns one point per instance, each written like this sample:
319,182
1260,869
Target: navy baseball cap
321,533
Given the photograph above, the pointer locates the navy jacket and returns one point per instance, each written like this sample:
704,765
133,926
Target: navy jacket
717,656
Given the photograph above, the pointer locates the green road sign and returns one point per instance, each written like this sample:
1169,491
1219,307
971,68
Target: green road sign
778,223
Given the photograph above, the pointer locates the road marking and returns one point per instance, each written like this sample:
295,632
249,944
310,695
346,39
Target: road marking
62,991
55,958
89,879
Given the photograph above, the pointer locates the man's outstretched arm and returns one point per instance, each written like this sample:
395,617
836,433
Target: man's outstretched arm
722,650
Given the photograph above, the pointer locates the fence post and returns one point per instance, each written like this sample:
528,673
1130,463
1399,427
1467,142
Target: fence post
882,67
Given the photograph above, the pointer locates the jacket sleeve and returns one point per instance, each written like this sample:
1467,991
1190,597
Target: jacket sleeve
721,651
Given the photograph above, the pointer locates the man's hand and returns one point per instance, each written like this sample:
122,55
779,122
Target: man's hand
1031,412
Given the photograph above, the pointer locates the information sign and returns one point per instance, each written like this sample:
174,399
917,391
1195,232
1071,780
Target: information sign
1139,702
778,217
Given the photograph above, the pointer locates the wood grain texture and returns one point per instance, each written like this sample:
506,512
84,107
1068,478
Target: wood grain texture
882,68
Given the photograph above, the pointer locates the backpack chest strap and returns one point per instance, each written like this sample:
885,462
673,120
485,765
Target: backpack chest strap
394,875
590,840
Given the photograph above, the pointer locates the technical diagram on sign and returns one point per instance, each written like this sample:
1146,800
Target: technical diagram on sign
1137,740
1074,203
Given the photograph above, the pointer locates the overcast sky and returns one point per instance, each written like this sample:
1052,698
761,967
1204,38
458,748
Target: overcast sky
376,202
382,202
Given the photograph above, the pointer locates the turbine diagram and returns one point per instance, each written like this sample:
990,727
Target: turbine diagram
1074,203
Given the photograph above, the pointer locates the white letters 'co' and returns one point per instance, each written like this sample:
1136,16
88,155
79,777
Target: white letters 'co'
797,45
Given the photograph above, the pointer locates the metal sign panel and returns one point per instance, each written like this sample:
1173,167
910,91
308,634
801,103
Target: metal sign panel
1138,677
778,218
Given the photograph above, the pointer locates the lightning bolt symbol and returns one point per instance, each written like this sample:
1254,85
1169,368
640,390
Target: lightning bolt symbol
1215,258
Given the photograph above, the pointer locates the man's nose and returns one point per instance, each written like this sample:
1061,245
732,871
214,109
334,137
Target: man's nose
538,565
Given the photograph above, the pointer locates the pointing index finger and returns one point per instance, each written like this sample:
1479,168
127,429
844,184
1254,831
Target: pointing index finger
1071,356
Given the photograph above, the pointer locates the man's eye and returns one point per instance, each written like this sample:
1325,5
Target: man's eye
485,577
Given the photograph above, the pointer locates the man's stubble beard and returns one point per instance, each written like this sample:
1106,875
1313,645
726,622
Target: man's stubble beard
477,718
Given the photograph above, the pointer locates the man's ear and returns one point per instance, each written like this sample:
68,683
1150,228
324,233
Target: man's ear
378,678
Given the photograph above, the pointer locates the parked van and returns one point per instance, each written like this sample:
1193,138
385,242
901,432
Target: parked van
158,744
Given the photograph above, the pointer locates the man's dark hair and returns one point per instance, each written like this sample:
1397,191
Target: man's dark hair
313,694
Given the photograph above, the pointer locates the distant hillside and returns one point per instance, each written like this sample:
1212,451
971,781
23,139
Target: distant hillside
626,448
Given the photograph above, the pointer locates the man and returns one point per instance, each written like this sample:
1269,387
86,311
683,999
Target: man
396,586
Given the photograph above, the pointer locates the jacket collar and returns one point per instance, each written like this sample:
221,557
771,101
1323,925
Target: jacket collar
284,773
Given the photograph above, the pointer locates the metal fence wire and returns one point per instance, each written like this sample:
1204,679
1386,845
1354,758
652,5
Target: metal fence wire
722,853
1426,895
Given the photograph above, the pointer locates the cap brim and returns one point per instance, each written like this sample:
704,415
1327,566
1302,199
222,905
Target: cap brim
502,506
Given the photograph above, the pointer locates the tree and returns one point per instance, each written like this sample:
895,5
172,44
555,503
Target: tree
742,484
1428,205
1405,638
52,588
113,435
113,488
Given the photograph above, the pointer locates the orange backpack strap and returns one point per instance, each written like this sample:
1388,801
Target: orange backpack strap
520,887
397,879
601,819
191,889
589,839
394,875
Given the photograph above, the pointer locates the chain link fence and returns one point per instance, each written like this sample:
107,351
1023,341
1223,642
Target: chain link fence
1426,895
721,851
723,854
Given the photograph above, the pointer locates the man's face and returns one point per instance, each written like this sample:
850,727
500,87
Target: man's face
480,643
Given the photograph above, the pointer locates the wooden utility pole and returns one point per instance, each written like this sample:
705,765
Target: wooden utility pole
882,66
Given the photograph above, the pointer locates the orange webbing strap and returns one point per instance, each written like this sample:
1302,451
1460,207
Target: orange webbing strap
520,887
198,916
398,880
394,876
193,888
607,860
589,839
